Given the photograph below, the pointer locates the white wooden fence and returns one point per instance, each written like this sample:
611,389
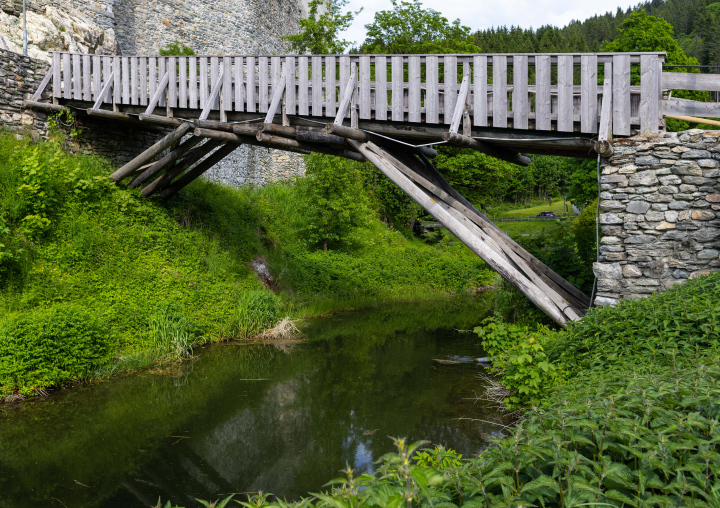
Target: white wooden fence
520,91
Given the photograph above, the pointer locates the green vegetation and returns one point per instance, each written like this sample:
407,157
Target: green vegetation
320,33
156,279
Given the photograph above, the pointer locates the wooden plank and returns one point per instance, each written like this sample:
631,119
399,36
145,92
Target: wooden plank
239,77
303,86
480,89
290,86
142,69
182,82
543,119
263,79
317,89
275,73
330,87
605,127
107,71
86,78
43,84
134,95
213,97
227,91
56,74
214,77
117,84
67,76
172,82
688,81
684,107
500,96
152,76
347,96
649,94
278,93
76,77
162,72
621,95
251,89
565,93
203,81
460,105
520,98
414,99
103,95
364,79
450,90
125,79
158,95
192,82
589,94
381,96
96,76
398,81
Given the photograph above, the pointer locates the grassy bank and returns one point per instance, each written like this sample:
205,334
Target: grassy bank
94,278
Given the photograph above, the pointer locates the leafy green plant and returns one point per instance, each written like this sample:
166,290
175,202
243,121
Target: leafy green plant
63,121
176,48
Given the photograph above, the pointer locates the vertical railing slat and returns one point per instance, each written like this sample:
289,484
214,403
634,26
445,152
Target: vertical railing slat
451,87
125,62
303,86
134,80
76,77
87,79
250,89
192,82
67,75
330,87
543,104
588,94
263,84
364,79
290,86
649,94
621,95
275,73
500,96
480,112
381,96
152,76
182,82
162,62
57,84
398,79
214,76
106,73
227,84
172,82
203,95
317,89
142,64
117,82
565,93
414,99
96,77
520,98
239,76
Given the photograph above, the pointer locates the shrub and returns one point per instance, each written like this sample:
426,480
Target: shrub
46,347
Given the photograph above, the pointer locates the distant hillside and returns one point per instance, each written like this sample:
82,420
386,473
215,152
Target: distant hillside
696,24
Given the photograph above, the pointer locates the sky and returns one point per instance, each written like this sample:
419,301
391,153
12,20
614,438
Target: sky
480,14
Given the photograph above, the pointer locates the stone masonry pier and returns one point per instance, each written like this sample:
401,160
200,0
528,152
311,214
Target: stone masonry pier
660,198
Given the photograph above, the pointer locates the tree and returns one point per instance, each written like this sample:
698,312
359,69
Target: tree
320,33
410,29
333,201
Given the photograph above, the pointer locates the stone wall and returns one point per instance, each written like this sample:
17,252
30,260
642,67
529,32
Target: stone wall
661,223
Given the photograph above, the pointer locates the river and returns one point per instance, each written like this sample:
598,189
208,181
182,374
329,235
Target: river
246,418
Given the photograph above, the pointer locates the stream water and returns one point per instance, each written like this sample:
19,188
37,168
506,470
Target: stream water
244,418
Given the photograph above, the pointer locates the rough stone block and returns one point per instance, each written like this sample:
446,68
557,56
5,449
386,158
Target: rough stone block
702,215
638,207
608,271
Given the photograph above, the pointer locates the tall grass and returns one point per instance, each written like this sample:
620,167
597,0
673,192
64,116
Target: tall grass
171,332
254,312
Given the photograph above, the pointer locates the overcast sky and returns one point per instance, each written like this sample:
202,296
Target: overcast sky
480,14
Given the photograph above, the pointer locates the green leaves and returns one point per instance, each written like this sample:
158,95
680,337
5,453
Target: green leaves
320,33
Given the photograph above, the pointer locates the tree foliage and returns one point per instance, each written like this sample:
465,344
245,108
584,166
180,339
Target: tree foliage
320,30
408,28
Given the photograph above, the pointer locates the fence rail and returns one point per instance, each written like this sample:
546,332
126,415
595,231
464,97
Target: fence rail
520,91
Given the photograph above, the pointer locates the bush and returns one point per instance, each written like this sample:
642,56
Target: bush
46,347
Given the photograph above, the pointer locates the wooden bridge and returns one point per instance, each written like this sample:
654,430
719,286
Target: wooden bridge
388,110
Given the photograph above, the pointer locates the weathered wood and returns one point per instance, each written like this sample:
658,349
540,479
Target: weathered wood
347,96
381,96
160,120
151,152
543,119
520,98
67,76
125,78
347,132
44,106
152,76
43,84
364,80
96,76
650,94
214,94
397,86
171,172
87,78
303,86
192,82
134,92
56,69
262,84
77,77
159,93
250,89
475,243
275,74
302,133
172,98
500,96
450,89
414,98
283,143
589,94
198,170
142,68
182,82
104,93
317,89
203,89
480,90
239,84
214,80
277,97
686,80
694,119
330,87
460,104
121,87
685,107
621,95
565,93
605,129
165,161
486,148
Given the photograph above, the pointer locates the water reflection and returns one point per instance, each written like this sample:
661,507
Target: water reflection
249,418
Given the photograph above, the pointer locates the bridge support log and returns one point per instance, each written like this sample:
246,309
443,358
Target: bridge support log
166,178
283,143
198,170
165,162
398,167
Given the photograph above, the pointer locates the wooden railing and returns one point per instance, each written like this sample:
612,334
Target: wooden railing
520,91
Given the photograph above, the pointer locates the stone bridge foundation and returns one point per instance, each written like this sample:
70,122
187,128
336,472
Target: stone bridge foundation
660,220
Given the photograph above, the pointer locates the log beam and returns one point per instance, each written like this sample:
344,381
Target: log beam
198,170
